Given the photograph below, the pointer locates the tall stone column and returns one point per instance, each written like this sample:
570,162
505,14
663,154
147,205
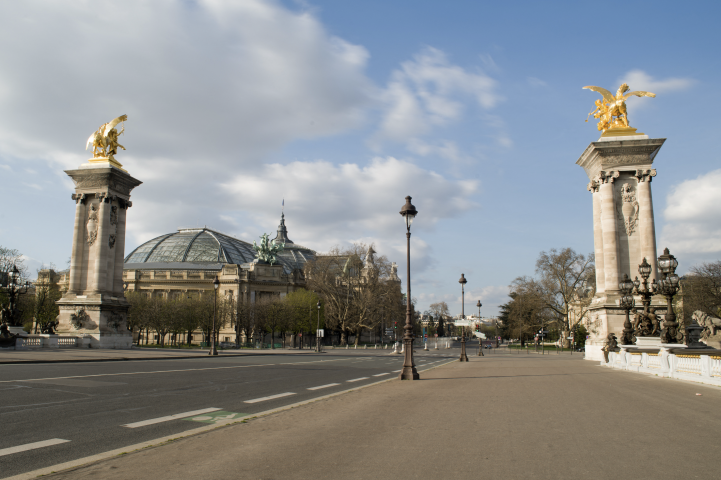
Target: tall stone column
594,187
94,308
76,257
608,224
117,244
620,239
100,252
647,227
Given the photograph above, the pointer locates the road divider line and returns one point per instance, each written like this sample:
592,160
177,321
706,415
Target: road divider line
380,374
324,386
357,379
170,417
272,397
31,446
396,371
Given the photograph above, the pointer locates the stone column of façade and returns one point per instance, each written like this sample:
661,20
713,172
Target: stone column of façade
76,259
100,270
608,223
647,227
117,285
593,187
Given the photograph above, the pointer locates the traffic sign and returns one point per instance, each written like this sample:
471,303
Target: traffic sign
320,332
435,335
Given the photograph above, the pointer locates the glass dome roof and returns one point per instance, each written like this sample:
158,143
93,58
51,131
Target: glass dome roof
204,246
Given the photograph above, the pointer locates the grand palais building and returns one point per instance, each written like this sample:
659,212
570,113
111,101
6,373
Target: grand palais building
186,262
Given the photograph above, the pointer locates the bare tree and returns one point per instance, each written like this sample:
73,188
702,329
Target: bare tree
566,281
701,289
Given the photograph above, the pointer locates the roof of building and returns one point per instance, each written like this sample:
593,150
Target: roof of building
190,248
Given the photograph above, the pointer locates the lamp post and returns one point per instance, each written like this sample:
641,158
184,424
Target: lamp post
480,337
627,302
463,281
13,291
317,331
409,368
645,328
496,333
667,263
216,284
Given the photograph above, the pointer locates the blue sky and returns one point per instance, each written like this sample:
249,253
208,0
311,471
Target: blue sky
345,107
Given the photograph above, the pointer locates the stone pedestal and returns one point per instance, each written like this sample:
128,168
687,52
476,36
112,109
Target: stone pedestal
94,307
620,173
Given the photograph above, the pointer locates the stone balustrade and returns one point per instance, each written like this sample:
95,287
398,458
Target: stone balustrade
48,341
702,366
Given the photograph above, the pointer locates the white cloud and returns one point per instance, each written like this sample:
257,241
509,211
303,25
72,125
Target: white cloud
329,204
693,217
640,80
428,92
220,82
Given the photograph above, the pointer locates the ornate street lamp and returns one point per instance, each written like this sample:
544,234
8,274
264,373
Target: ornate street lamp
463,281
216,284
644,327
496,333
669,286
409,372
480,338
627,302
317,331
14,290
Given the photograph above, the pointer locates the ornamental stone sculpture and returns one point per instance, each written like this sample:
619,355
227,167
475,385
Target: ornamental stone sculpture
267,252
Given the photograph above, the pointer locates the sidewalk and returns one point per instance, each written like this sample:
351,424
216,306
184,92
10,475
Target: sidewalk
499,417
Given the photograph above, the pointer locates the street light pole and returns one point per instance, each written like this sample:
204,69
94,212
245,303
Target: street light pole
463,281
409,371
317,331
216,284
480,337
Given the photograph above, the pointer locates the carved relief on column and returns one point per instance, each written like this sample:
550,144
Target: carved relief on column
92,224
113,225
593,187
628,211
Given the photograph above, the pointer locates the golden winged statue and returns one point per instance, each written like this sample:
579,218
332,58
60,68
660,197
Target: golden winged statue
105,139
611,112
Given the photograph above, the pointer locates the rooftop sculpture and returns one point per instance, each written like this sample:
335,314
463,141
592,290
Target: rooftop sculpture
267,251
611,112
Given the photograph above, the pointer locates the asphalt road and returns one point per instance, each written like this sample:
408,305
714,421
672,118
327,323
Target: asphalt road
64,411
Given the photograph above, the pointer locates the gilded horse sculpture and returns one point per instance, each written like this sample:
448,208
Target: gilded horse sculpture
611,112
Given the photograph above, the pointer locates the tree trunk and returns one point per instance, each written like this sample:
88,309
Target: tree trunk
343,338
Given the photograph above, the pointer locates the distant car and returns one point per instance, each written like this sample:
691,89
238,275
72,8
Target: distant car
227,344
488,346
581,349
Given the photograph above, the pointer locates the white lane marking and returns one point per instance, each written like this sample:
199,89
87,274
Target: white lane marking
263,399
165,371
357,379
153,421
380,374
324,386
31,446
396,371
